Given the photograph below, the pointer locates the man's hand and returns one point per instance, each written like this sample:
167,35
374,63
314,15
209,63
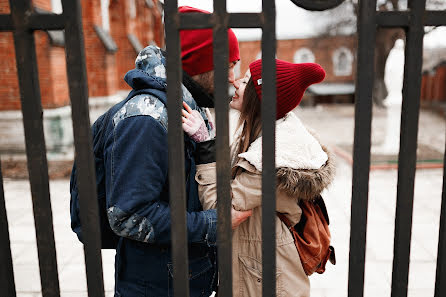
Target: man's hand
239,217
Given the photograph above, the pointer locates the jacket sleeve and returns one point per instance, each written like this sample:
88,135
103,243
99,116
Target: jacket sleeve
137,156
246,191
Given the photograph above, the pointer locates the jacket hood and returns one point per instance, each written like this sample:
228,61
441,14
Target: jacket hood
306,184
150,73
304,168
150,70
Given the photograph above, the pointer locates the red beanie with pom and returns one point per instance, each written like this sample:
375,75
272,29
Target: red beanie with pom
196,47
291,80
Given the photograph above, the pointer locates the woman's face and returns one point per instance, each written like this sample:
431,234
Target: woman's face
240,85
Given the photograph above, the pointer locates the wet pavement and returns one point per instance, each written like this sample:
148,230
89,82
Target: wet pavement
335,126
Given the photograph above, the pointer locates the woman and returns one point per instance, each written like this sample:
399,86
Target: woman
303,170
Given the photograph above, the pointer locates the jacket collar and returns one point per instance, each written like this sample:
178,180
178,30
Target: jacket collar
295,147
202,98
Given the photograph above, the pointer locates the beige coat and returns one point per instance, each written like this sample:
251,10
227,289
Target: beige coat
292,184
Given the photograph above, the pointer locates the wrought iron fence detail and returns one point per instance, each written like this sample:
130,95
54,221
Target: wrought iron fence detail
26,62
408,147
176,156
361,147
86,179
23,21
317,4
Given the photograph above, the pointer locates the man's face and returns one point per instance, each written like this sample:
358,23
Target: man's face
206,80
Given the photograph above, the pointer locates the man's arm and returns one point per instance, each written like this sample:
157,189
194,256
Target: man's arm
137,159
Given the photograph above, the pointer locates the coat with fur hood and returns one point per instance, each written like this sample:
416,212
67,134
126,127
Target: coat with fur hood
304,170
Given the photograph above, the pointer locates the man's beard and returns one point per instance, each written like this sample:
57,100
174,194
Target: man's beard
206,81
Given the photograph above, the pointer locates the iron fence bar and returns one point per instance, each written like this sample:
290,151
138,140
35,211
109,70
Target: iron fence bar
268,111
317,5
392,19
435,18
361,146
86,179
194,20
6,270
46,21
35,146
408,147
398,19
235,20
6,23
176,152
440,279
245,20
224,227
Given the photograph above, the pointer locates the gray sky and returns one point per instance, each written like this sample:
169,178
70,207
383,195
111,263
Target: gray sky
291,21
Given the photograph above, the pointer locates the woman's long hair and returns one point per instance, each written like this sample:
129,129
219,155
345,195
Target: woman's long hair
250,120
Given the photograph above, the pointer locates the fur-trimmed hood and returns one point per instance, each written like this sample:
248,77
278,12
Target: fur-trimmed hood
304,168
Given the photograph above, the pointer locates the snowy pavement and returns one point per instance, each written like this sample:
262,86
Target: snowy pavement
334,125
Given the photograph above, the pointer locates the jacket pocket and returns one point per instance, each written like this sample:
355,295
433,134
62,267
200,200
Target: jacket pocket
201,276
251,277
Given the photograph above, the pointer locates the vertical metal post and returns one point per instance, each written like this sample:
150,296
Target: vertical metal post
176,152
224,227
408,147
268,111
361,146
86,179
35,146
6,270
440,280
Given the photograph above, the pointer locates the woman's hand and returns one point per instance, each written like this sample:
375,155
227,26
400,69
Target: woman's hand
194,125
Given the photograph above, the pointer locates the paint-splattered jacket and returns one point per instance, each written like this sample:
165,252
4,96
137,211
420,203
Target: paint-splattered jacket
137,189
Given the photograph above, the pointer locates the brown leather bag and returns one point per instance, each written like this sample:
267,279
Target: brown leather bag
312,236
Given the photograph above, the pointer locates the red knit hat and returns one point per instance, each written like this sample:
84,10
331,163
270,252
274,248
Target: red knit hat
196,47
292,81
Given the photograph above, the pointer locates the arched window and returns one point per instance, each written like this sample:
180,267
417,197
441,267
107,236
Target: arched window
105,15
304,55
342,62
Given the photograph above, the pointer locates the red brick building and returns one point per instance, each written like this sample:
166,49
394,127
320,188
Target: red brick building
336,54
433,83
114,32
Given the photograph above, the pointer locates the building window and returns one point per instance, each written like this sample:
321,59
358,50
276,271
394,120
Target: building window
342,62
105,15
132,9
56,6
304,55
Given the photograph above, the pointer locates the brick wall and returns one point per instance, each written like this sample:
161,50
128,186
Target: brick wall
101,65
105,70
433,86
322,48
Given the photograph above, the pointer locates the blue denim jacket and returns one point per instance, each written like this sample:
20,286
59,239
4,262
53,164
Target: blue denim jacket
137,190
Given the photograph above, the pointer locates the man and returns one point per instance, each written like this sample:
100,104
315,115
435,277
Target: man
136,172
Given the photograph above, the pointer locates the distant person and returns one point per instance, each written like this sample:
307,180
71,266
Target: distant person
303,169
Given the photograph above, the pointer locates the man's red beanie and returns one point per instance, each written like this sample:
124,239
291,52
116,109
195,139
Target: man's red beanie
196,47
291,80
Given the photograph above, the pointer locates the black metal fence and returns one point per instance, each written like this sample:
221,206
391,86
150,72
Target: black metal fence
23,21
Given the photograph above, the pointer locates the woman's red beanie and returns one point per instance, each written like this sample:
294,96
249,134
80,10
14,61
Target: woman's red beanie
291,80
196,47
